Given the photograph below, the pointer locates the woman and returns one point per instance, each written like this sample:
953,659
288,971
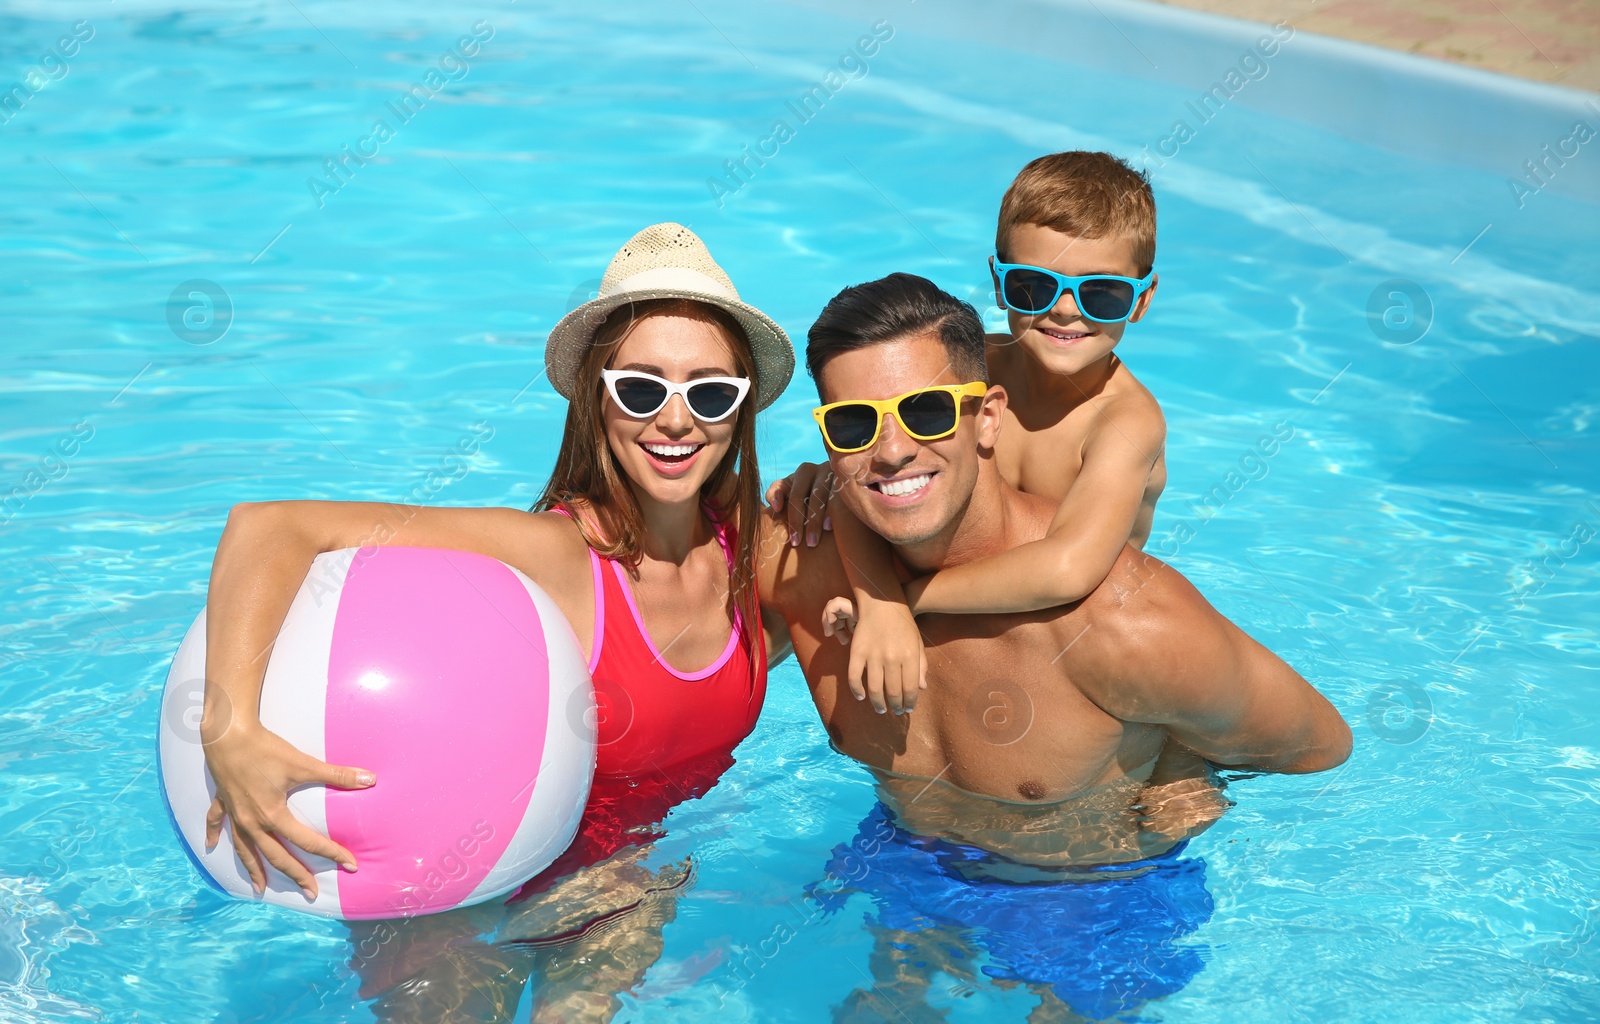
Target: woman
644,538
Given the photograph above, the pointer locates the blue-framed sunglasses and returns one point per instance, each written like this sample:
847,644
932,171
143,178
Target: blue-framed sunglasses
1103,298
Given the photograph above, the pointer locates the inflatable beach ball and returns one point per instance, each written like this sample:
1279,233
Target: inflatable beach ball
451,676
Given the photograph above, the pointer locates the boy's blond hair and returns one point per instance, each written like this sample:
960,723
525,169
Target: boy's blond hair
1082,193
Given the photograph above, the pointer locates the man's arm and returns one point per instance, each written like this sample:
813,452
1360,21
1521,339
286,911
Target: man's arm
776,632
1163,655
887,662
795,583
772,546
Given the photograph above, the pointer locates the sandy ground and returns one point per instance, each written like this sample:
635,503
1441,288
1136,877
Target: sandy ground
1546,40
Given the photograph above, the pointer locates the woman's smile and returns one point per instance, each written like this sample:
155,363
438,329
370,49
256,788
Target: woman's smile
672,458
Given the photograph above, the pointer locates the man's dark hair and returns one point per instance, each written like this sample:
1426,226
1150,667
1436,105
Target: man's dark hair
895,307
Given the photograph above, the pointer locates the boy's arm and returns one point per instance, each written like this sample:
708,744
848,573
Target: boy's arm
887,662
1087,534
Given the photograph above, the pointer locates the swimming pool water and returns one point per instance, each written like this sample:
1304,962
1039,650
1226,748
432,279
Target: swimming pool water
1421,542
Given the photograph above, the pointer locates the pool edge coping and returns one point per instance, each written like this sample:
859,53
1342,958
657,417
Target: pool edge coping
1405,103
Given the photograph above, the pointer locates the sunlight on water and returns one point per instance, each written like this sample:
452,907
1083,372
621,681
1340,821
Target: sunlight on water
1383,465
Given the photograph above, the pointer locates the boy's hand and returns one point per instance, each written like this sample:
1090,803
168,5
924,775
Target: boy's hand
887,662
839,620
803,498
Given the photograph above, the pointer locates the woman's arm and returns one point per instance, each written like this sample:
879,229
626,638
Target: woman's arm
263,557
1089,530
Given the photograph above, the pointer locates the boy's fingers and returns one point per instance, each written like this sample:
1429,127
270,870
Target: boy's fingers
908,692
816,508
794,513
838,619
853,676
875,688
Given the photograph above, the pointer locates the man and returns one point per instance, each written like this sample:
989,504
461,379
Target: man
1046,741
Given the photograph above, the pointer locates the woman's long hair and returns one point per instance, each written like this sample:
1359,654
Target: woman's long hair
588,481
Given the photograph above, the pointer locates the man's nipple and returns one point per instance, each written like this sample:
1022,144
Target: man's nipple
1030,790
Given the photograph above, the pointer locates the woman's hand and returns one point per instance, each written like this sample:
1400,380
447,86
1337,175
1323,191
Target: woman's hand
254,770
803,498
887,662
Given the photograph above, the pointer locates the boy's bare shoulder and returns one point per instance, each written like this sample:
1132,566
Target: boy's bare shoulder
1128,407
1124,385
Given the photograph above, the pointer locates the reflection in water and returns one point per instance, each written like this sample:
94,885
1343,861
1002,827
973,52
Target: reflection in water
580,943
1086,902
1156,805
582,932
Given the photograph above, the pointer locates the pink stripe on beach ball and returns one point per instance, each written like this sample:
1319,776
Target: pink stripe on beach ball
441,695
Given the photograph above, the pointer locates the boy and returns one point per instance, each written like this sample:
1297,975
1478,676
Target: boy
1075,245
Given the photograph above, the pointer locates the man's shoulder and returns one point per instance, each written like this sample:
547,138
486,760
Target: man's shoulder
792,577
1140,589
1147,622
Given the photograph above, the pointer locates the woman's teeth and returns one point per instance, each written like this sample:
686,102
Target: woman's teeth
900,488
671,451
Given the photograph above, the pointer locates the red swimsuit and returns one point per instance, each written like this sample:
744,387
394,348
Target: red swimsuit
664,736
650,714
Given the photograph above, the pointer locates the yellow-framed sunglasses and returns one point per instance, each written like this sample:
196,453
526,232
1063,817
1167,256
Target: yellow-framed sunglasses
926,414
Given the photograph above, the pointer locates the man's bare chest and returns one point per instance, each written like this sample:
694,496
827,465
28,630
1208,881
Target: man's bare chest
1001,717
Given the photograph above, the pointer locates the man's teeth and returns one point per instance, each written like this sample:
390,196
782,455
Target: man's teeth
911,484
672,449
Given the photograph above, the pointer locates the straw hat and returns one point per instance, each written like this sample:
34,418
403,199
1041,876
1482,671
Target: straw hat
668,261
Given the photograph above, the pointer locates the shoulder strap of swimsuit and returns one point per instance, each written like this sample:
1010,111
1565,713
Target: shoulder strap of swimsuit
598,572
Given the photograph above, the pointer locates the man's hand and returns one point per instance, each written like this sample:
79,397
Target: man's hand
1181,798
